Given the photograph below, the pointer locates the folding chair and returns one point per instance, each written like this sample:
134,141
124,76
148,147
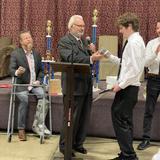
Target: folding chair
11,116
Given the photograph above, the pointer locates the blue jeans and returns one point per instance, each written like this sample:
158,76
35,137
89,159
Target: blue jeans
23,104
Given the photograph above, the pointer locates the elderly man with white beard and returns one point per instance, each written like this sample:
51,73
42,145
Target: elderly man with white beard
73,48
25,65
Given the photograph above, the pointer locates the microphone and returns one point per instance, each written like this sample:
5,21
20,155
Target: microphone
88,40
104,52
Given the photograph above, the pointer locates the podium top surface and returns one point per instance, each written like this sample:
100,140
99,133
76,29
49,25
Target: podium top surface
66,67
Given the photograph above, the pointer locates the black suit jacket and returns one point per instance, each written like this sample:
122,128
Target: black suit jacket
18,58
71,51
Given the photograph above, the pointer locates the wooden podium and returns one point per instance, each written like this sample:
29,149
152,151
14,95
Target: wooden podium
70,69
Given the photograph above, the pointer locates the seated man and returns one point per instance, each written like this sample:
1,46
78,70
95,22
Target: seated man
25,64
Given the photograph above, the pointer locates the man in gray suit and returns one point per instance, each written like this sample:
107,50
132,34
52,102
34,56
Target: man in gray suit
25,65
74,48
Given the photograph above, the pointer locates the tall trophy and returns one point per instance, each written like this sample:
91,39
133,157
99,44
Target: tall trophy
48,57
95,69
49,40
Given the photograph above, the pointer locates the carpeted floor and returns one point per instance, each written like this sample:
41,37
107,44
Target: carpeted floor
98,149
27,150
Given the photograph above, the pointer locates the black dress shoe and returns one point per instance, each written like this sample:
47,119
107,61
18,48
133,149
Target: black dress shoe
118,158
143,145
81,150
62,151
122,157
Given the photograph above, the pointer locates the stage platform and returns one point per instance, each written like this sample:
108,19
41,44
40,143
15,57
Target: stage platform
100,122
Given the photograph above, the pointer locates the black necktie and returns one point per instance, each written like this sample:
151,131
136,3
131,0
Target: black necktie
119,70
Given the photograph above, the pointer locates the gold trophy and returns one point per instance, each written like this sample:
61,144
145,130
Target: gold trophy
49,41
95,70
47,58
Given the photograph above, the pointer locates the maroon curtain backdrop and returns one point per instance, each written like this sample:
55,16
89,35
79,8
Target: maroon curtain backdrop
17,15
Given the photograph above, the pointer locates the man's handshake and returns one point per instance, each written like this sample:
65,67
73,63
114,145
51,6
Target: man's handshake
100,54
105,53
96,56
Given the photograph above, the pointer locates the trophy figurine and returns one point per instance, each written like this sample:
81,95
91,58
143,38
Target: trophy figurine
94,18
49,28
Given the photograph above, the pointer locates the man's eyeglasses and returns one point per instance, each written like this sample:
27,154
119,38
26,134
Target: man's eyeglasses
82,26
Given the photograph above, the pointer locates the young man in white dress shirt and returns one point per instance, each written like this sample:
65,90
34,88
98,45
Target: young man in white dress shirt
152,61
128,82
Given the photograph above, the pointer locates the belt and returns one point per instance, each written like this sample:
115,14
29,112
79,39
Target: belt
153,75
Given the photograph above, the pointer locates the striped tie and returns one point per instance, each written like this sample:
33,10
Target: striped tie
80,43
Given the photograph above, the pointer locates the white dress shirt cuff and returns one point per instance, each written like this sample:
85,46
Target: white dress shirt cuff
122,85
91,62
111,57
16,73
158,56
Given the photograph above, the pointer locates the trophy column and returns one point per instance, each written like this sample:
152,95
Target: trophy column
95,70
47,58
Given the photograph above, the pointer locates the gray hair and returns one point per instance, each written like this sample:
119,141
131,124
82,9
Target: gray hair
73,19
